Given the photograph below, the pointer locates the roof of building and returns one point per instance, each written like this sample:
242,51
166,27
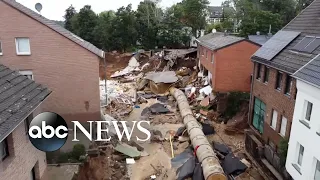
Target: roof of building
259,39
310,72
216,41
290,60
52,25
217,11
19,97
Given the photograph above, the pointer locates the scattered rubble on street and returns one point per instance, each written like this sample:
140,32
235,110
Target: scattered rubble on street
182,131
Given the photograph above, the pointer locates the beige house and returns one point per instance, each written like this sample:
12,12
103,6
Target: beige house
54,57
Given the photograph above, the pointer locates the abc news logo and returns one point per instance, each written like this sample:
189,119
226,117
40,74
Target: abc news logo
49,131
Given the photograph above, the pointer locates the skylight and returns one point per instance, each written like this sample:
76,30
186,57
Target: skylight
308,44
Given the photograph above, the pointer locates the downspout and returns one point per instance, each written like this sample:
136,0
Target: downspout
251,94
105,75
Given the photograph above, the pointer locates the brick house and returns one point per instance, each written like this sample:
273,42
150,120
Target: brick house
226,61
20,100
273,94
52,56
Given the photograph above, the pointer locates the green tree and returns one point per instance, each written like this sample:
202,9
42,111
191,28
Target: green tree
70,12
194,14
124,27
285,8
301,4
260,21
148,22
173,33
103,32
84,24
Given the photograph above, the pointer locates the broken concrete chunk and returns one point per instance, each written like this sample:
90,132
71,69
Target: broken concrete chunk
128,150
158,108
162,77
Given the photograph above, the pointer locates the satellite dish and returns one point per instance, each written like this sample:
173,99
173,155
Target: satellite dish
214,31
38,7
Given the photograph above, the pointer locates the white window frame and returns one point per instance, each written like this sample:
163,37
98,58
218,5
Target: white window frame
274,120
305,108
17,46
299,148
282,127
27,73
1,49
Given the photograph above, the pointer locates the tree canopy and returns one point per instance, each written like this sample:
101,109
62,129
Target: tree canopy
150,26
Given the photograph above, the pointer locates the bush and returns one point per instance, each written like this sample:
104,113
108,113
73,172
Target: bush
234,103
283,150
77,151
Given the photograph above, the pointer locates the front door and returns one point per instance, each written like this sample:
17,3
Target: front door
258,115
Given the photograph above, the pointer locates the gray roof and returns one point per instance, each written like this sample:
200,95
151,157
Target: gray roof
288,60
310,72
217,11
19,96
51,24
216,41
259,39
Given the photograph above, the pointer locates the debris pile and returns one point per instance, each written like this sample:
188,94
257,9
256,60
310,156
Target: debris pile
186,120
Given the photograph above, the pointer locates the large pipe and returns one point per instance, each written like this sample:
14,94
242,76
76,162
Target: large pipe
211,167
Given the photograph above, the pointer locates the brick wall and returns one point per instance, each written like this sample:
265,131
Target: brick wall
274,99
22,157
232,67
69,70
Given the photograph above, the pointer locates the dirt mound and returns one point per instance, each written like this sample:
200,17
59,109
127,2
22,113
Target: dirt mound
114,62
240,121
107,166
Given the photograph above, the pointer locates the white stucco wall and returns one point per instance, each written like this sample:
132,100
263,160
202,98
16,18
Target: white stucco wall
301,134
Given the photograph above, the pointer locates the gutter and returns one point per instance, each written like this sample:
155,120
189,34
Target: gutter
8,133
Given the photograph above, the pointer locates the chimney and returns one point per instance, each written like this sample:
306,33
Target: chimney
270,34
258,33
225,32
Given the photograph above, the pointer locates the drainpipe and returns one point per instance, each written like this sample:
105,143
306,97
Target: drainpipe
250,103
105,75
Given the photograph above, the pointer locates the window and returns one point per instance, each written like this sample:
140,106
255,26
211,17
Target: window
300,156
317,171
283,128
274,119
0,48
27,122
4,149
33,174
212,58
28,74
258,115
279,81
266,75
259,71
288,85
23,46
206,54
308,110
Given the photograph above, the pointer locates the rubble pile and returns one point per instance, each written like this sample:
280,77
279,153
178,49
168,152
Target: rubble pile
140,91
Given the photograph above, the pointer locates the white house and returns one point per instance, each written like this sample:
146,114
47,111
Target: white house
303,158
